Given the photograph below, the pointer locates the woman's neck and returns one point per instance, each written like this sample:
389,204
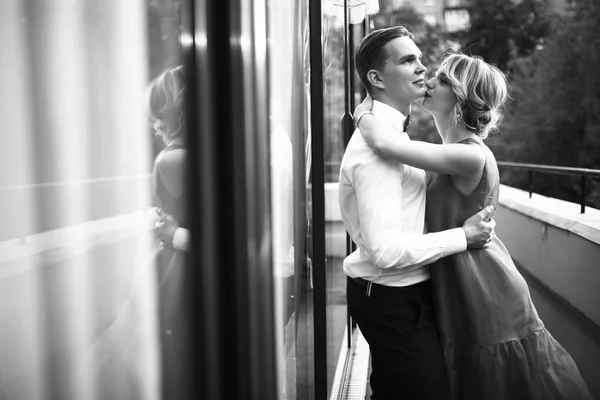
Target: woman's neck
178,140
449,132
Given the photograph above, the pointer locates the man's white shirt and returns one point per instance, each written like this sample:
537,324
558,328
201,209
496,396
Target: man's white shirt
383,208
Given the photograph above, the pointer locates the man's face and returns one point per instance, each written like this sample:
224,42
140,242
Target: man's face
402,76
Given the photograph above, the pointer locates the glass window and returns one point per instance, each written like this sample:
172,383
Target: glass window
85,292
289,149
334,94
456,20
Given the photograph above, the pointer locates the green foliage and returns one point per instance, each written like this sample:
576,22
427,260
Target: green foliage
429,38
503,30
555,116
164,28
333,94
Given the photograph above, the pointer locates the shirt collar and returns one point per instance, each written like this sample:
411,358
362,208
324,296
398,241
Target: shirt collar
389,114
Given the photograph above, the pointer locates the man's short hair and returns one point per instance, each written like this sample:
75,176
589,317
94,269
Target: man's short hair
371,53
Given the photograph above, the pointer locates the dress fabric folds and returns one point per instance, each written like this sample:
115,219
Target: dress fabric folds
495,345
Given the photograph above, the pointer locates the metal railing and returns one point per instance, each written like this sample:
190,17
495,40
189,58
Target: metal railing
583,173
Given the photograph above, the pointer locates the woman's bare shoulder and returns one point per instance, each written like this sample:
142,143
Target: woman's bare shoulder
171,159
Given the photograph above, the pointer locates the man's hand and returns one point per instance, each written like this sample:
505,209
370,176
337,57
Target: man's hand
166,228
479,229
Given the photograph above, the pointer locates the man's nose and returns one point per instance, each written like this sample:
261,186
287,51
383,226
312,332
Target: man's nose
420,67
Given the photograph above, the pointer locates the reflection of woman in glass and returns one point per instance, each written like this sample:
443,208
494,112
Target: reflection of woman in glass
165,97
495,345
126,353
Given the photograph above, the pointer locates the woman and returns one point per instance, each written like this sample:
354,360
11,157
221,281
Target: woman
495,345
165,98
124,356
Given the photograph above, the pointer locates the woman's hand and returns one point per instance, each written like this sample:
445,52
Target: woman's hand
367,124
166,227
365,106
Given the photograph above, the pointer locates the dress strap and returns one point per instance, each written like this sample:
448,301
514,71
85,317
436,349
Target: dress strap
471,140
173,146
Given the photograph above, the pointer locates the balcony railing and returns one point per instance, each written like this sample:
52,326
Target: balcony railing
332,171
583,173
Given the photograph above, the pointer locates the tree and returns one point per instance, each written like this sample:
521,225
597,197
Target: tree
555,114
500,31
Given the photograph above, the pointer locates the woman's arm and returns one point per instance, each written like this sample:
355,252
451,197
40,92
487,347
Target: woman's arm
452,159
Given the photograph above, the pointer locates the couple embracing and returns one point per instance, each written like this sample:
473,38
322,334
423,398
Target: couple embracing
435,293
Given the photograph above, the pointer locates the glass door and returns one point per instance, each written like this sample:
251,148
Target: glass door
289,130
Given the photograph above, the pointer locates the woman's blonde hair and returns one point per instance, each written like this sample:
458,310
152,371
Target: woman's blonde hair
166,103
481,90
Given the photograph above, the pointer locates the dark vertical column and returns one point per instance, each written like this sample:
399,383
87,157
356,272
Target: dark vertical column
347,128
352,67
249,155
230,202
318,200
347,122
204,114
365,24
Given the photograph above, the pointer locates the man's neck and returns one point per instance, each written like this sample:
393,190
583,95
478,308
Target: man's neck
402,106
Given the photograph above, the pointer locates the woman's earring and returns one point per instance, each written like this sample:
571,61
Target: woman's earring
458,115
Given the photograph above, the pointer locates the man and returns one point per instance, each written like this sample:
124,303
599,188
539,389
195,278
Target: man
383,208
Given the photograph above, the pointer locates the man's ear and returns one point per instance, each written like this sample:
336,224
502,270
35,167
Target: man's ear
374,78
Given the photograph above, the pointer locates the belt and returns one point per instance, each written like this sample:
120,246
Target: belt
361,281
368,285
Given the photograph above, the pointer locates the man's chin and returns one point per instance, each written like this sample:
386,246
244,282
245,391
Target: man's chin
419,96
424,104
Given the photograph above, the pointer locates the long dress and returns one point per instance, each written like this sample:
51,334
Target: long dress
142,355
495,345
172,270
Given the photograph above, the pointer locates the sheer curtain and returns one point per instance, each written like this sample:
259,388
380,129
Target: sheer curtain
75,195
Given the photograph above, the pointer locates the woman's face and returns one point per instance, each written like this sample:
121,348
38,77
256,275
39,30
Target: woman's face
439,98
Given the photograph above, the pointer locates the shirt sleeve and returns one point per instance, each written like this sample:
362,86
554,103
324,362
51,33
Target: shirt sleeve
378,187
181,239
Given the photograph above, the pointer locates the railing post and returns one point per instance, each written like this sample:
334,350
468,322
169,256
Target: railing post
582,194
530,182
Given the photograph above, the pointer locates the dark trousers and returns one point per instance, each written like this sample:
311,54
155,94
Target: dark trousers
406,356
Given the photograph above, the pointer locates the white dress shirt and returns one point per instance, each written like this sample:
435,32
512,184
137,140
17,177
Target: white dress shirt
383,208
